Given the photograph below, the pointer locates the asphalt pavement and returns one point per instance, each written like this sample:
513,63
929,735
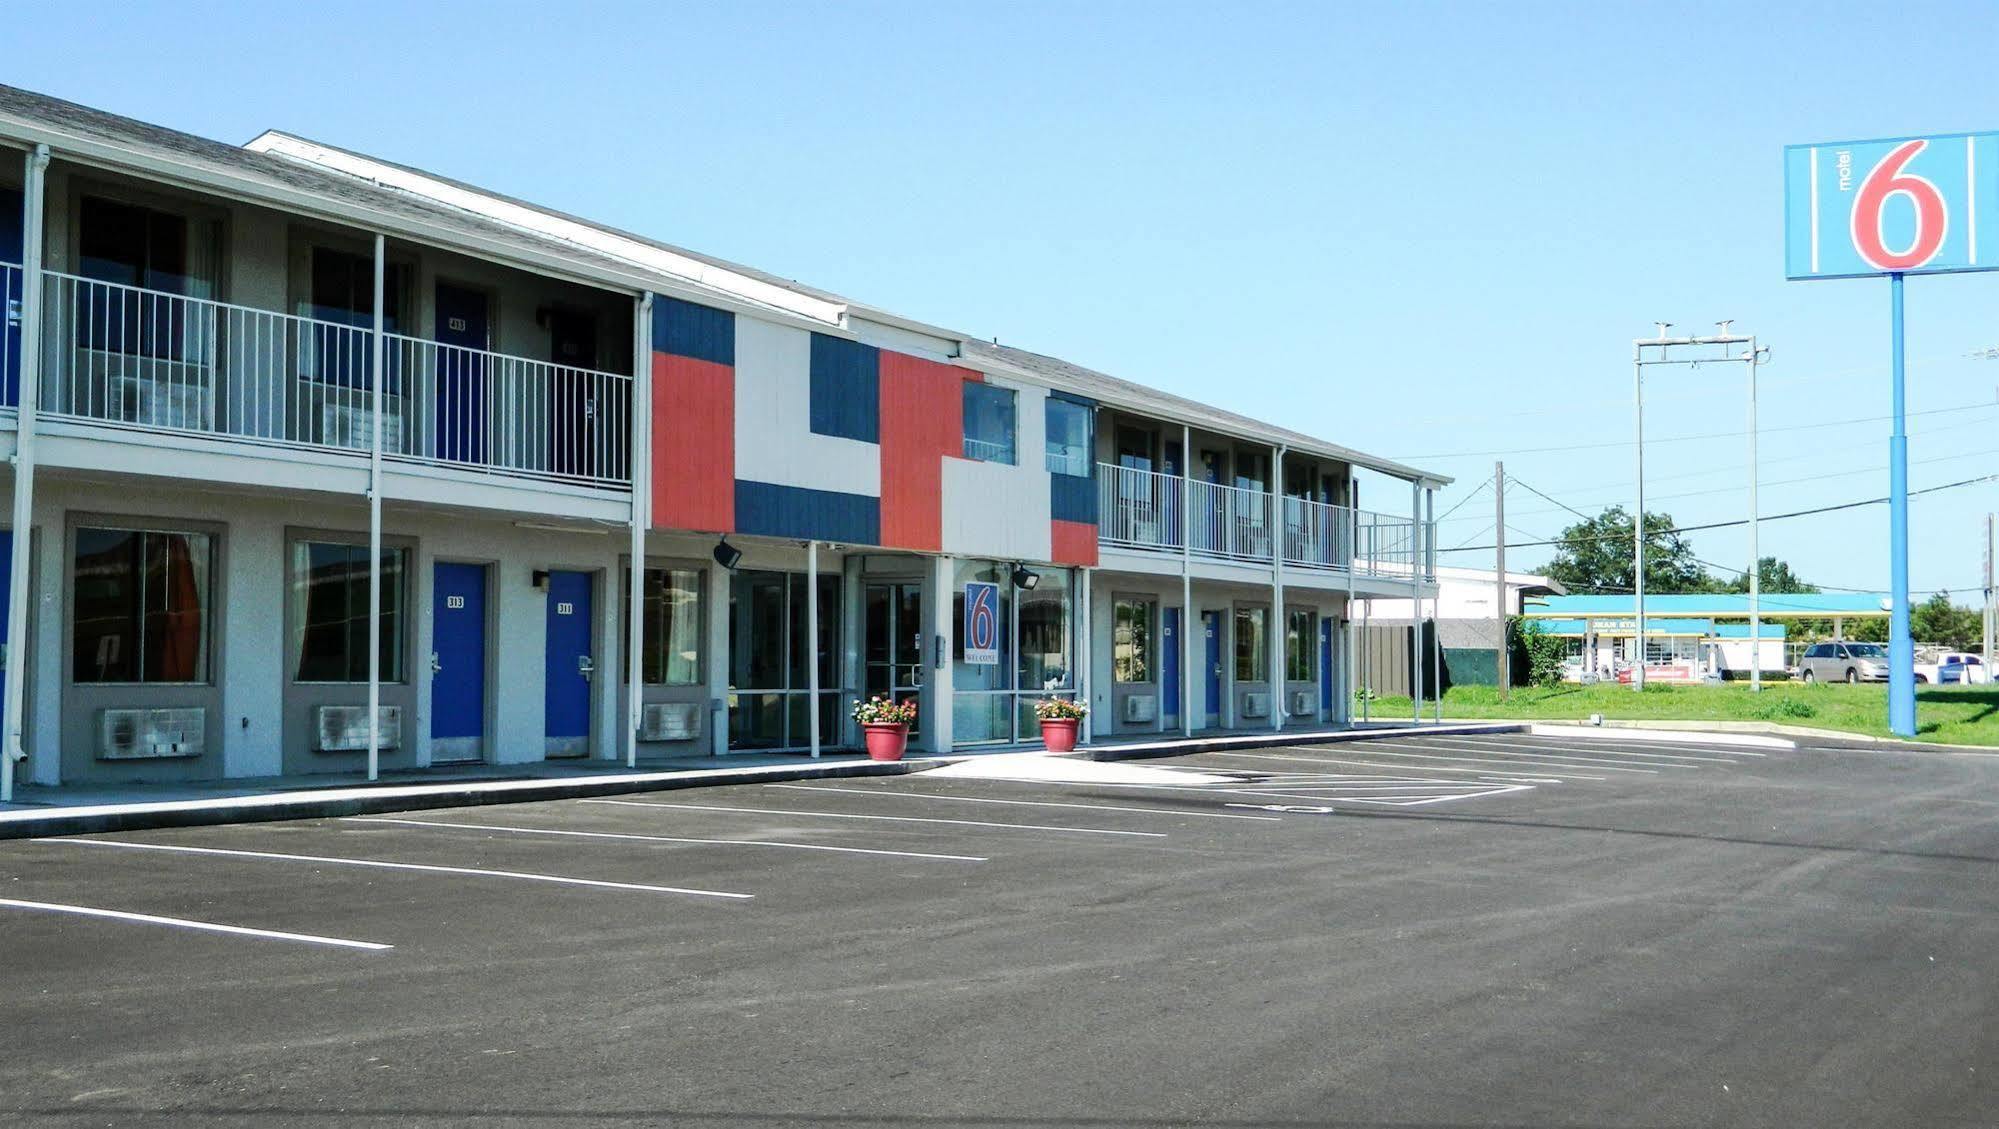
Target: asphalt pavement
1417,931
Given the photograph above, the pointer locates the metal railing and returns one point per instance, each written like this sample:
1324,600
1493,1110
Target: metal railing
149,360
1142,509
10,335
987,451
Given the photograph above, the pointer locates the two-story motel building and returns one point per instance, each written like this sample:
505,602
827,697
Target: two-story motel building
249,394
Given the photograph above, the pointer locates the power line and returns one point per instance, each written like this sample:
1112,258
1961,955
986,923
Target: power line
1736,522
1612,444
1483,483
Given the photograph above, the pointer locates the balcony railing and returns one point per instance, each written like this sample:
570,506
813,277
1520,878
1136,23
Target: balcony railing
1142,509
152,361
10,335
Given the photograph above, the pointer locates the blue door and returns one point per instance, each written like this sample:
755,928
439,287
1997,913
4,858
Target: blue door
570,664
461,374
11,248
6,598
1327,705
1169,665
1211,627
458,662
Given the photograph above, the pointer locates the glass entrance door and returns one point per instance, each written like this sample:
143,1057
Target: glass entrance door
894,637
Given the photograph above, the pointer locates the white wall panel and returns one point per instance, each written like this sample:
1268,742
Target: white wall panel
994,510
774,438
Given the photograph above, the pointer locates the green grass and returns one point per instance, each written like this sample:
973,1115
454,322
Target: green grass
1951,715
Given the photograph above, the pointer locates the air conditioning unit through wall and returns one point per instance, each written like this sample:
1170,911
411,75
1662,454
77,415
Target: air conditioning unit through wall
1141,708
344,729
145,734
670,721
1303,703
1256,704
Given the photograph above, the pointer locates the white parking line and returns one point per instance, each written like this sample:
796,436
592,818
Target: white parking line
1549,760
429,868
187,923
1021,803
1397,764
663,838
1631,755
882,818
1637,749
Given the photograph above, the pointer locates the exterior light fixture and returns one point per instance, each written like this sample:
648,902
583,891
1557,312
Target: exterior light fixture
727,555
1025,578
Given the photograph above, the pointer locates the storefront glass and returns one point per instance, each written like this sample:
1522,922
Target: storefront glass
769,681
994,702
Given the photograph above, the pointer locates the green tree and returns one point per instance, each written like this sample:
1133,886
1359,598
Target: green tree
1937,620
1595,556
1773,576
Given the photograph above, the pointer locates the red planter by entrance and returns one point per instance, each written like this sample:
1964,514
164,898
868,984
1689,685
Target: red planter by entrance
1059,734
886,742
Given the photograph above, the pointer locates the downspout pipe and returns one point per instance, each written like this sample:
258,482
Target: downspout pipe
1279,622
33,202
378,376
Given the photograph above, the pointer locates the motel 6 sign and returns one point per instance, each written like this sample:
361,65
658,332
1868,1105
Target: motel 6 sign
1908,205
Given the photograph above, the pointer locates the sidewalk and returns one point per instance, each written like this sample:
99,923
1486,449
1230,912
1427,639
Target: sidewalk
84,809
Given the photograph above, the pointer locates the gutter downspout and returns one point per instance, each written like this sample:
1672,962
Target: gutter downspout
379,376
34,201
1279,623
1349,649
1416,601
641,463
812,641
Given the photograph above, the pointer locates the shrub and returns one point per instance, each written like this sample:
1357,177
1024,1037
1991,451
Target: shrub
1060,709
1773,709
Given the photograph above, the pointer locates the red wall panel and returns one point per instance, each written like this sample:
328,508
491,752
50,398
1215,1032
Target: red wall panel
693,444
1073,543
922,423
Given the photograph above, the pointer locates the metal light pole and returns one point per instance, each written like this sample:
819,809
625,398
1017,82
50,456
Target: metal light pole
1639,360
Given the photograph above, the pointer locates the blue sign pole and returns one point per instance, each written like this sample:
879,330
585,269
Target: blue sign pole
1901,648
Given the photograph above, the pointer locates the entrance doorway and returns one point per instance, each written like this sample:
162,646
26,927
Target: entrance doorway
570,665
458,663
462,324
1211,665
770,700
894,635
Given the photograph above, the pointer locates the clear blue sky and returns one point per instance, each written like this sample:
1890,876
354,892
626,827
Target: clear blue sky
1428,231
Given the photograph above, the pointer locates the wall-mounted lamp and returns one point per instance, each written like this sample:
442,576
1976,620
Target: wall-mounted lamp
540,580
1025,578
727,555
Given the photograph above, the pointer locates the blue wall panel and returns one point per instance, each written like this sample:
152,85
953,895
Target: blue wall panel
819,515
1072,498
687,330
846,389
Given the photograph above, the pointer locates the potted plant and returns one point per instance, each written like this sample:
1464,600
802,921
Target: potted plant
885,724
1059,719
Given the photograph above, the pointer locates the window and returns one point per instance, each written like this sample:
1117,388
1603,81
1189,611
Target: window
770,661
670,639
989,420
130,246
1068,438
139,606
1251,471
1252,645
1300,635
1131,640
1134,448
343,294
330,612
1044,633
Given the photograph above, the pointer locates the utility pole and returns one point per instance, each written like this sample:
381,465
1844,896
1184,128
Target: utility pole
1499,570
1991,609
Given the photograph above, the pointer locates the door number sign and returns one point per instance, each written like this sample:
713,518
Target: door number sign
454,603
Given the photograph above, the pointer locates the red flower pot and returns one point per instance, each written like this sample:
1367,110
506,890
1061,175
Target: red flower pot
886,742
1059,734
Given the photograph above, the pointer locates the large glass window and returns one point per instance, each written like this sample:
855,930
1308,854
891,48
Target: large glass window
1252,645
140,606
1044,634
342,293
1300,650
770,681
670,621
145,250
993,702
330,612
1131,639
1068,438
1252,471
989,422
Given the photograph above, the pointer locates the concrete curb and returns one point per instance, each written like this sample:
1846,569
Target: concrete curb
1799,735
325,803
1187,747
1613,734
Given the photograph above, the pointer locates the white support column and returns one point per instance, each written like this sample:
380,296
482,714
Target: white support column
33,202
378,378
641,464
812,642
716,648
1430,569
1278,622
937,648
1085,596
1187,679
1416,600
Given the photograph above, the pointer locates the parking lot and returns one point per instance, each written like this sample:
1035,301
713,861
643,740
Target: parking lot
1412,931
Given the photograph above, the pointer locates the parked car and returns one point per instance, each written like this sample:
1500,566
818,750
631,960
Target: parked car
1844,662
1936,665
